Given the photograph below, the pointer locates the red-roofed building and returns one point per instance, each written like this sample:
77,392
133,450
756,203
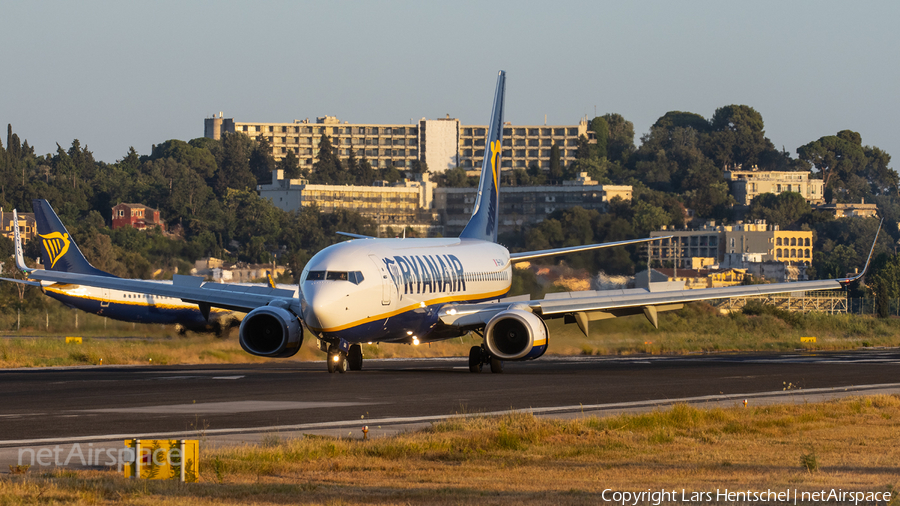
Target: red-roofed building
137,216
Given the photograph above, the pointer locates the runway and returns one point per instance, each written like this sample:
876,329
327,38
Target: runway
58,405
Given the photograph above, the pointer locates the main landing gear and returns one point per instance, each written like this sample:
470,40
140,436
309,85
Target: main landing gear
478,357
341,362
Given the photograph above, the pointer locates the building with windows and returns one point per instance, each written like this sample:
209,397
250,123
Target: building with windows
441,143
861,210
688,279
406,203
27,225
747,184
220,271
731,245
526,205
136,216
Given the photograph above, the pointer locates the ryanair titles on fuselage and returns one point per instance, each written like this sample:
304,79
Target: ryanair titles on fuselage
427,273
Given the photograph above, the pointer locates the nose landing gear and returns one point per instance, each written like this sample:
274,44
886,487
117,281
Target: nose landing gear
337,361
342,356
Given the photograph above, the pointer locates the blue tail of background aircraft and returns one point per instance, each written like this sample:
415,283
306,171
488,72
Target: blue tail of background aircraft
59,251
486,217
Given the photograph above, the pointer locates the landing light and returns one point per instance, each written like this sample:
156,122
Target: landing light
336,358
415,341
409,332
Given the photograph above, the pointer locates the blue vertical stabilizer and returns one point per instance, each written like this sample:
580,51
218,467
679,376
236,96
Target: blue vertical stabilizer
58,250
486,216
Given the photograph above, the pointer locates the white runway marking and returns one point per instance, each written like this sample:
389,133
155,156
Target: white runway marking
224,407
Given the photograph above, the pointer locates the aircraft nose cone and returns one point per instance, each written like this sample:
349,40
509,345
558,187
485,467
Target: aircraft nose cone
325,305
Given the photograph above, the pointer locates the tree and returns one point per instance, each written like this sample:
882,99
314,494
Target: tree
390,174
327,168
648,218
884,280
353,169
198,159
601,133
290,165
620,143
737,137
850,170
675,119
364,172
233,164
419,167
784,209
261,162
556,170
711,201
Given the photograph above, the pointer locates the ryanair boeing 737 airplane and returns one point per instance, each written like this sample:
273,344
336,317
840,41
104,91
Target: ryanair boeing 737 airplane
420,290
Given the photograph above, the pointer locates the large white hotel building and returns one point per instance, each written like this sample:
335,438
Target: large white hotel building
441,143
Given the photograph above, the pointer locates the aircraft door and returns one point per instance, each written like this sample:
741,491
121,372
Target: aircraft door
104,300
386,287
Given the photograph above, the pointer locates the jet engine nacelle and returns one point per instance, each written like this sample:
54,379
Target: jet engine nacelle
270,331
516,334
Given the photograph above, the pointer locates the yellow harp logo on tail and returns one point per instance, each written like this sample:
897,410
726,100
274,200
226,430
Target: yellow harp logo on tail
56,245
495,156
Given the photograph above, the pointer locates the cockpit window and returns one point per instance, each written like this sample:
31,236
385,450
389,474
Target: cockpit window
355,277
336,276
315,276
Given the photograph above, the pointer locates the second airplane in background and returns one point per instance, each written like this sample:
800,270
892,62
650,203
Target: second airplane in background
61,254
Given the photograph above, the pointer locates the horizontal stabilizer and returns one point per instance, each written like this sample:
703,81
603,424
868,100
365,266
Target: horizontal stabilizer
22,281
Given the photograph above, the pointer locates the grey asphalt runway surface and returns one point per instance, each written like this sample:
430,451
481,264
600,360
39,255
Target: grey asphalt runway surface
105,403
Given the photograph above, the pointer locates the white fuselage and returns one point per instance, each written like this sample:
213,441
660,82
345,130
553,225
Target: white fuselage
391,289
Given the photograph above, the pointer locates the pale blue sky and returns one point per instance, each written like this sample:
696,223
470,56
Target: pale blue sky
119,74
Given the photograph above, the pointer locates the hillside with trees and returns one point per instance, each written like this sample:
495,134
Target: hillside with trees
205,192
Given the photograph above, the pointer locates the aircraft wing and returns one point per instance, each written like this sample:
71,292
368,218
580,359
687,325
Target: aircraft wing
587,306
584,307
187,288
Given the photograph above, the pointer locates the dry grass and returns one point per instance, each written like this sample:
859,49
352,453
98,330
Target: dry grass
193,349
522,459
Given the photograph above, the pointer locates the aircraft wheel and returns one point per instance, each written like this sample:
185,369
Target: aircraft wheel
475,359
342,364
337,362
496,365
181,329
355,357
